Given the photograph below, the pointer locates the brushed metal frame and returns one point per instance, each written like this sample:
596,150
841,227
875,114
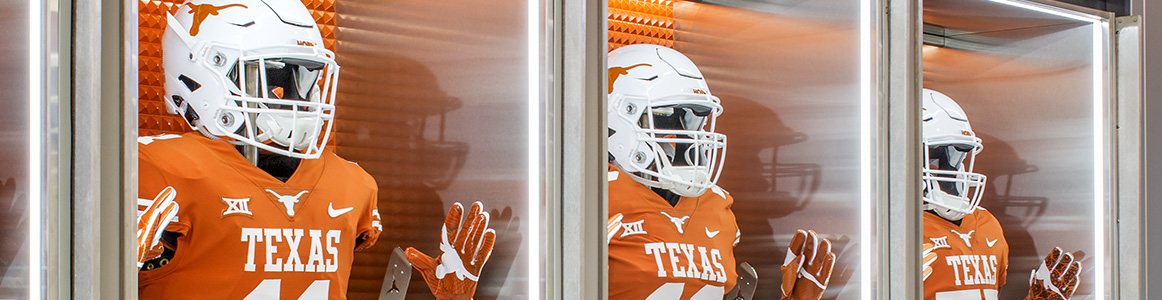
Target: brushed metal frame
59,147
583,147
1111,157
87,82
1130,232
128,146
897,156
1151,137
104,63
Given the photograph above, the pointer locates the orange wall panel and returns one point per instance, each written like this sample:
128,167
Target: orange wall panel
641,22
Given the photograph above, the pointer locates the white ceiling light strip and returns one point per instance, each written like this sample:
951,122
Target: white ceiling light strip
865,156
35,132
534,146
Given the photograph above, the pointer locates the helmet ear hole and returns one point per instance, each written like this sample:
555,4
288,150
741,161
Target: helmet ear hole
177,103
191,116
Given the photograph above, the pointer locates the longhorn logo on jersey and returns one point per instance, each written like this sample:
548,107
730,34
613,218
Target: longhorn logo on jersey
967,237
680,223
290,201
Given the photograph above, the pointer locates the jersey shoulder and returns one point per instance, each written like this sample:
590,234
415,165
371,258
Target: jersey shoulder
716,194
986,222
982,217
352,172
188,155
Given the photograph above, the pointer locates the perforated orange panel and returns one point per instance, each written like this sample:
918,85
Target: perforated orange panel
152,119
641,22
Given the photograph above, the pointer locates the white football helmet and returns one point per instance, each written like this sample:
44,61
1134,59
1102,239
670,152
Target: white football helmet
253,72
951,188
661,120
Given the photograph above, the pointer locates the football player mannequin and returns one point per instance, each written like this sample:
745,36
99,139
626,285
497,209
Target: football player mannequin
671,231
249,76
965,255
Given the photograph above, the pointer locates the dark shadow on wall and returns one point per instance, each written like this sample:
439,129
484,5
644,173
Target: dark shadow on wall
499,265
390,115
391,120
13,241
763,187
1016,213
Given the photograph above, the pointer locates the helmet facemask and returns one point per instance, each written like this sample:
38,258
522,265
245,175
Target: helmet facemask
951,189
280,102
678,149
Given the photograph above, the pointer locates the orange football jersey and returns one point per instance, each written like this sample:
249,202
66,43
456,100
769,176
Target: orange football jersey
245,234
670,252
971,259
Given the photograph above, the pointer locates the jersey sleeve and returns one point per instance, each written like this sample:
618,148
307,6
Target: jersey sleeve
1003,271
733,219
151,180
370,223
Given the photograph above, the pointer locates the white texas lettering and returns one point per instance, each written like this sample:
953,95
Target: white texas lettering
968,269
281,249
706,265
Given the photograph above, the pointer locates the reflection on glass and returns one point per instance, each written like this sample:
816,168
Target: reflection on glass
433,104
14,153
788,77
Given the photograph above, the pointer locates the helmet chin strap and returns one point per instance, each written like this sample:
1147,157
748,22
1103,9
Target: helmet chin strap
937,200
684,189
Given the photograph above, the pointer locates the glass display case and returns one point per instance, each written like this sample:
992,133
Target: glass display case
437,102
1035,79
425,108
795,85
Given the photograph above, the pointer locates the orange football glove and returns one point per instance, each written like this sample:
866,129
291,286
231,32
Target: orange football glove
465,247
1056,279
807,269
152,222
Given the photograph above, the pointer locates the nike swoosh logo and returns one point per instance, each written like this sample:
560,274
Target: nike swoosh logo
990,243
335,213
711,234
